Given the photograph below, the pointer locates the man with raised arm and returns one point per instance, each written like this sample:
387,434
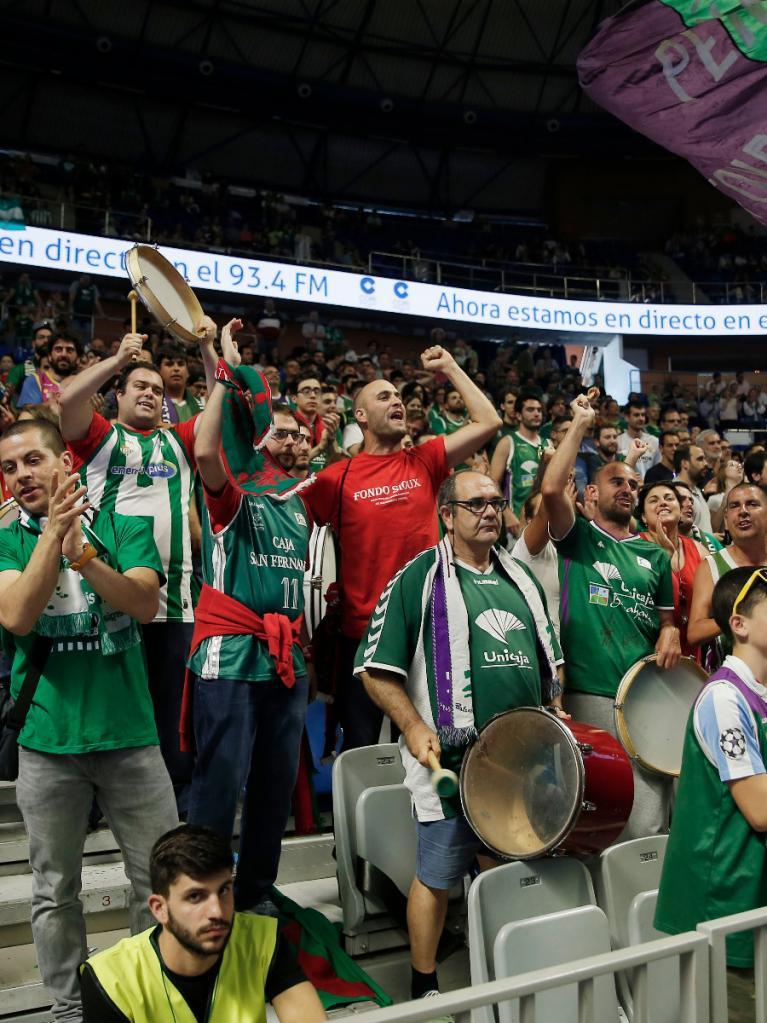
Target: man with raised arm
135,466
249,683
616,602
381,505
73,589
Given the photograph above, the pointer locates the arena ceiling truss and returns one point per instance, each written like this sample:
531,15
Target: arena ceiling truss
431,104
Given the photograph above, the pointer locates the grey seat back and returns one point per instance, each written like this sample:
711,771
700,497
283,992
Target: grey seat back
385,832
626,871
354,771
550,941
519,891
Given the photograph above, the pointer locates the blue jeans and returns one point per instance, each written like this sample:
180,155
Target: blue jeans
247,733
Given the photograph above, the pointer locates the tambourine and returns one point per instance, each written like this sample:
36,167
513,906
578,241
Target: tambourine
165,293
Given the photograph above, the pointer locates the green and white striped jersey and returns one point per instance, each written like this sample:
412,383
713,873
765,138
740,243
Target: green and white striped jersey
148,475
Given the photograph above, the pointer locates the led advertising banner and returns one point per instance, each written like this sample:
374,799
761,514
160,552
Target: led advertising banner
78,254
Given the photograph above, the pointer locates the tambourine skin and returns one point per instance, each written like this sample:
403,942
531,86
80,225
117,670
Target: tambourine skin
165,293
652,706
533,784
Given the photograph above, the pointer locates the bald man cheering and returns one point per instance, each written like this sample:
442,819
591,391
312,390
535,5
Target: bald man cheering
382,507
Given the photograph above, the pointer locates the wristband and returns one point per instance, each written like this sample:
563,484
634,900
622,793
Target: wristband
88,554
225,373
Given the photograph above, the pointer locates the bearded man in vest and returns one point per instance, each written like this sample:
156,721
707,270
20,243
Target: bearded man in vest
202,961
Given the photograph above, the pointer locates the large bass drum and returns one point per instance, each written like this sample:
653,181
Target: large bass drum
652,706
534,784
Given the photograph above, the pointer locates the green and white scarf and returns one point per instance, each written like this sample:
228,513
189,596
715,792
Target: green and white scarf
74,609
450,664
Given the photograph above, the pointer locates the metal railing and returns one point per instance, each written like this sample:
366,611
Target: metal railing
585,283
716,933
691,950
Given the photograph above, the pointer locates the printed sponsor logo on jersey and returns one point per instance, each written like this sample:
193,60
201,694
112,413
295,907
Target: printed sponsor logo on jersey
299,518
529,467
372,493
643,562
599,595
161,470
607,571
498,624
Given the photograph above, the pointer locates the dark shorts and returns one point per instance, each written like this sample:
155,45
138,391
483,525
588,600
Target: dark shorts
446,850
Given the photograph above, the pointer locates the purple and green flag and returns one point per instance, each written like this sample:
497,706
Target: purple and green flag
692,76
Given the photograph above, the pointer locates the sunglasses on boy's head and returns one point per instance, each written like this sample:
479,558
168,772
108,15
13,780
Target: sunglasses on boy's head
760,573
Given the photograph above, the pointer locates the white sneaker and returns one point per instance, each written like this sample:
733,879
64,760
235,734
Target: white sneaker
438,1019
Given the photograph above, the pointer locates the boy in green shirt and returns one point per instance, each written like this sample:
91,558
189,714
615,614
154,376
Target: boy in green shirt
716,861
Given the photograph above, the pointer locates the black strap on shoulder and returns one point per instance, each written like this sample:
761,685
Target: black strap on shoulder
38,655
339,554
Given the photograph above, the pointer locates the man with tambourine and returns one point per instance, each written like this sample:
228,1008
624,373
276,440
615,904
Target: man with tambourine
616,603
137,467
459,635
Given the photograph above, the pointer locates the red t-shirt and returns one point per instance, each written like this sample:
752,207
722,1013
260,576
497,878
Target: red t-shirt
388,516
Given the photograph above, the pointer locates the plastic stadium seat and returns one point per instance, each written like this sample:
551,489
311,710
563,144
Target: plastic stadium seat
514,892
386,833
662,977
550,941
626,871
353,772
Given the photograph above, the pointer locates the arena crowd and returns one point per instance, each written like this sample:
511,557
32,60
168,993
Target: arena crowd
152,570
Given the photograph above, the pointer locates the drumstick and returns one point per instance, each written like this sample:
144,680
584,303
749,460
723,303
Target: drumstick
443,781
133,299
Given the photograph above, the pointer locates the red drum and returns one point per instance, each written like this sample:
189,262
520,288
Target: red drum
533,784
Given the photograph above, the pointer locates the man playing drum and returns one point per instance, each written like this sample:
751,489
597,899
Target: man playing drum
381,507
457,636
616,604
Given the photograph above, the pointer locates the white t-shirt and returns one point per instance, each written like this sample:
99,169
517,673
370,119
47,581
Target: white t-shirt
545,568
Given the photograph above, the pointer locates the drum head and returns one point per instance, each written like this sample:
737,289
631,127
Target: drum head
319,576
9,513
522,783
165,293
652,706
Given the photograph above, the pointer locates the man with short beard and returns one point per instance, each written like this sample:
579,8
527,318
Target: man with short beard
301,452
617,602
40,340
381,504
636,422
588,463
687,525
745,519
287,433
63,362
692,469
201,960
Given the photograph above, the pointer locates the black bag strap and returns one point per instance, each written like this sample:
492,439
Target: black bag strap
338,522
38,655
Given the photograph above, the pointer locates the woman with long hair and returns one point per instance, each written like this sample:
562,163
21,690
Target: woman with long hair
660,510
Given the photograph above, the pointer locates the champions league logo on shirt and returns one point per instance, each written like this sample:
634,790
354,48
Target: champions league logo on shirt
732,743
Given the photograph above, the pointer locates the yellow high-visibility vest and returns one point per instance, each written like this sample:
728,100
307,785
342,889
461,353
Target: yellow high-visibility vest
131,974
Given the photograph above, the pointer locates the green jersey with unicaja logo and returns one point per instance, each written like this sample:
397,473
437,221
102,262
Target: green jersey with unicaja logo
148,474
610,594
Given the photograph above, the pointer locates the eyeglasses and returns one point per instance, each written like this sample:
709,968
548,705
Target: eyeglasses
477,505
284,434
760,573
310,390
